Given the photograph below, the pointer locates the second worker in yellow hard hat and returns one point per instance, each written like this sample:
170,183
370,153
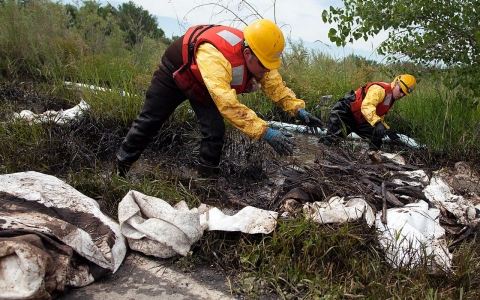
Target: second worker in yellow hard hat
363,111
210,65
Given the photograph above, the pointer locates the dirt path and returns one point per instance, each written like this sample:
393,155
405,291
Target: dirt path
142,277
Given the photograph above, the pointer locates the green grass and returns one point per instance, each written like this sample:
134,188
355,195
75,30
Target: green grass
304,260
440,119
300,259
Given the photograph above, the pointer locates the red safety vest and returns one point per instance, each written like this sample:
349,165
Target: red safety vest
228,41
382,108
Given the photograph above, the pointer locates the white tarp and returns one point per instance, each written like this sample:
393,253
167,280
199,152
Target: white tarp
38,211
154,227
438,192
337,210
412,236
248,220
59,117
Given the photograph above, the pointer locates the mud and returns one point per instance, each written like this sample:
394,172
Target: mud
251,173
144,277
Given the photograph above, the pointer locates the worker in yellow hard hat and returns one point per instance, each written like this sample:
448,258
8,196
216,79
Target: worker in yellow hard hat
210,65
363,111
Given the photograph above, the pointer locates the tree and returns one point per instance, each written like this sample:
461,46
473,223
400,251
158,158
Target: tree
442,33
138,23
72,13
95,24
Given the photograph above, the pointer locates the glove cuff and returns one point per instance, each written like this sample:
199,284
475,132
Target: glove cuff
301,112
268,134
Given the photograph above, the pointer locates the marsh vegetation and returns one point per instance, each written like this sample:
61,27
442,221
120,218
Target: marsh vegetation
300,259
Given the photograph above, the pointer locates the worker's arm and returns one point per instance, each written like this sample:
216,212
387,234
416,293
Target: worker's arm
274,87
217,74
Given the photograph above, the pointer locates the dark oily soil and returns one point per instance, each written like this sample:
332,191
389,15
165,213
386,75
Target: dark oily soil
251,173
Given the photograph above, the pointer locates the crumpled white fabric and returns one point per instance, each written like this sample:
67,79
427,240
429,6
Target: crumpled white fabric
412,235
52,192
337,210
45,225
415,178
248,220
439,194
59,117
154,227
33,266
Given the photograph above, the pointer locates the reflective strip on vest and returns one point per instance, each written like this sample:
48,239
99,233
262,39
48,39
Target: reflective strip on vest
237,72
387,100
228,36
237,75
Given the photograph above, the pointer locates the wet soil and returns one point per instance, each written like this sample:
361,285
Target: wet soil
251,173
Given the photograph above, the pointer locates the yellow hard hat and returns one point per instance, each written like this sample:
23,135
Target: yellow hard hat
266,41
407,83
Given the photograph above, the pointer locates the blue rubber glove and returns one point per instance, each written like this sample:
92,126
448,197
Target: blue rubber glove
279,142
308,119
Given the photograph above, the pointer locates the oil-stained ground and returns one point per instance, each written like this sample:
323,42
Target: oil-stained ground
251,173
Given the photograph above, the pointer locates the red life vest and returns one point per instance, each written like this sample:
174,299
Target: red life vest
228,41
382,108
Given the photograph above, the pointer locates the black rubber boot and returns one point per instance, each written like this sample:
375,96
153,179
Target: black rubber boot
122,168
205,171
